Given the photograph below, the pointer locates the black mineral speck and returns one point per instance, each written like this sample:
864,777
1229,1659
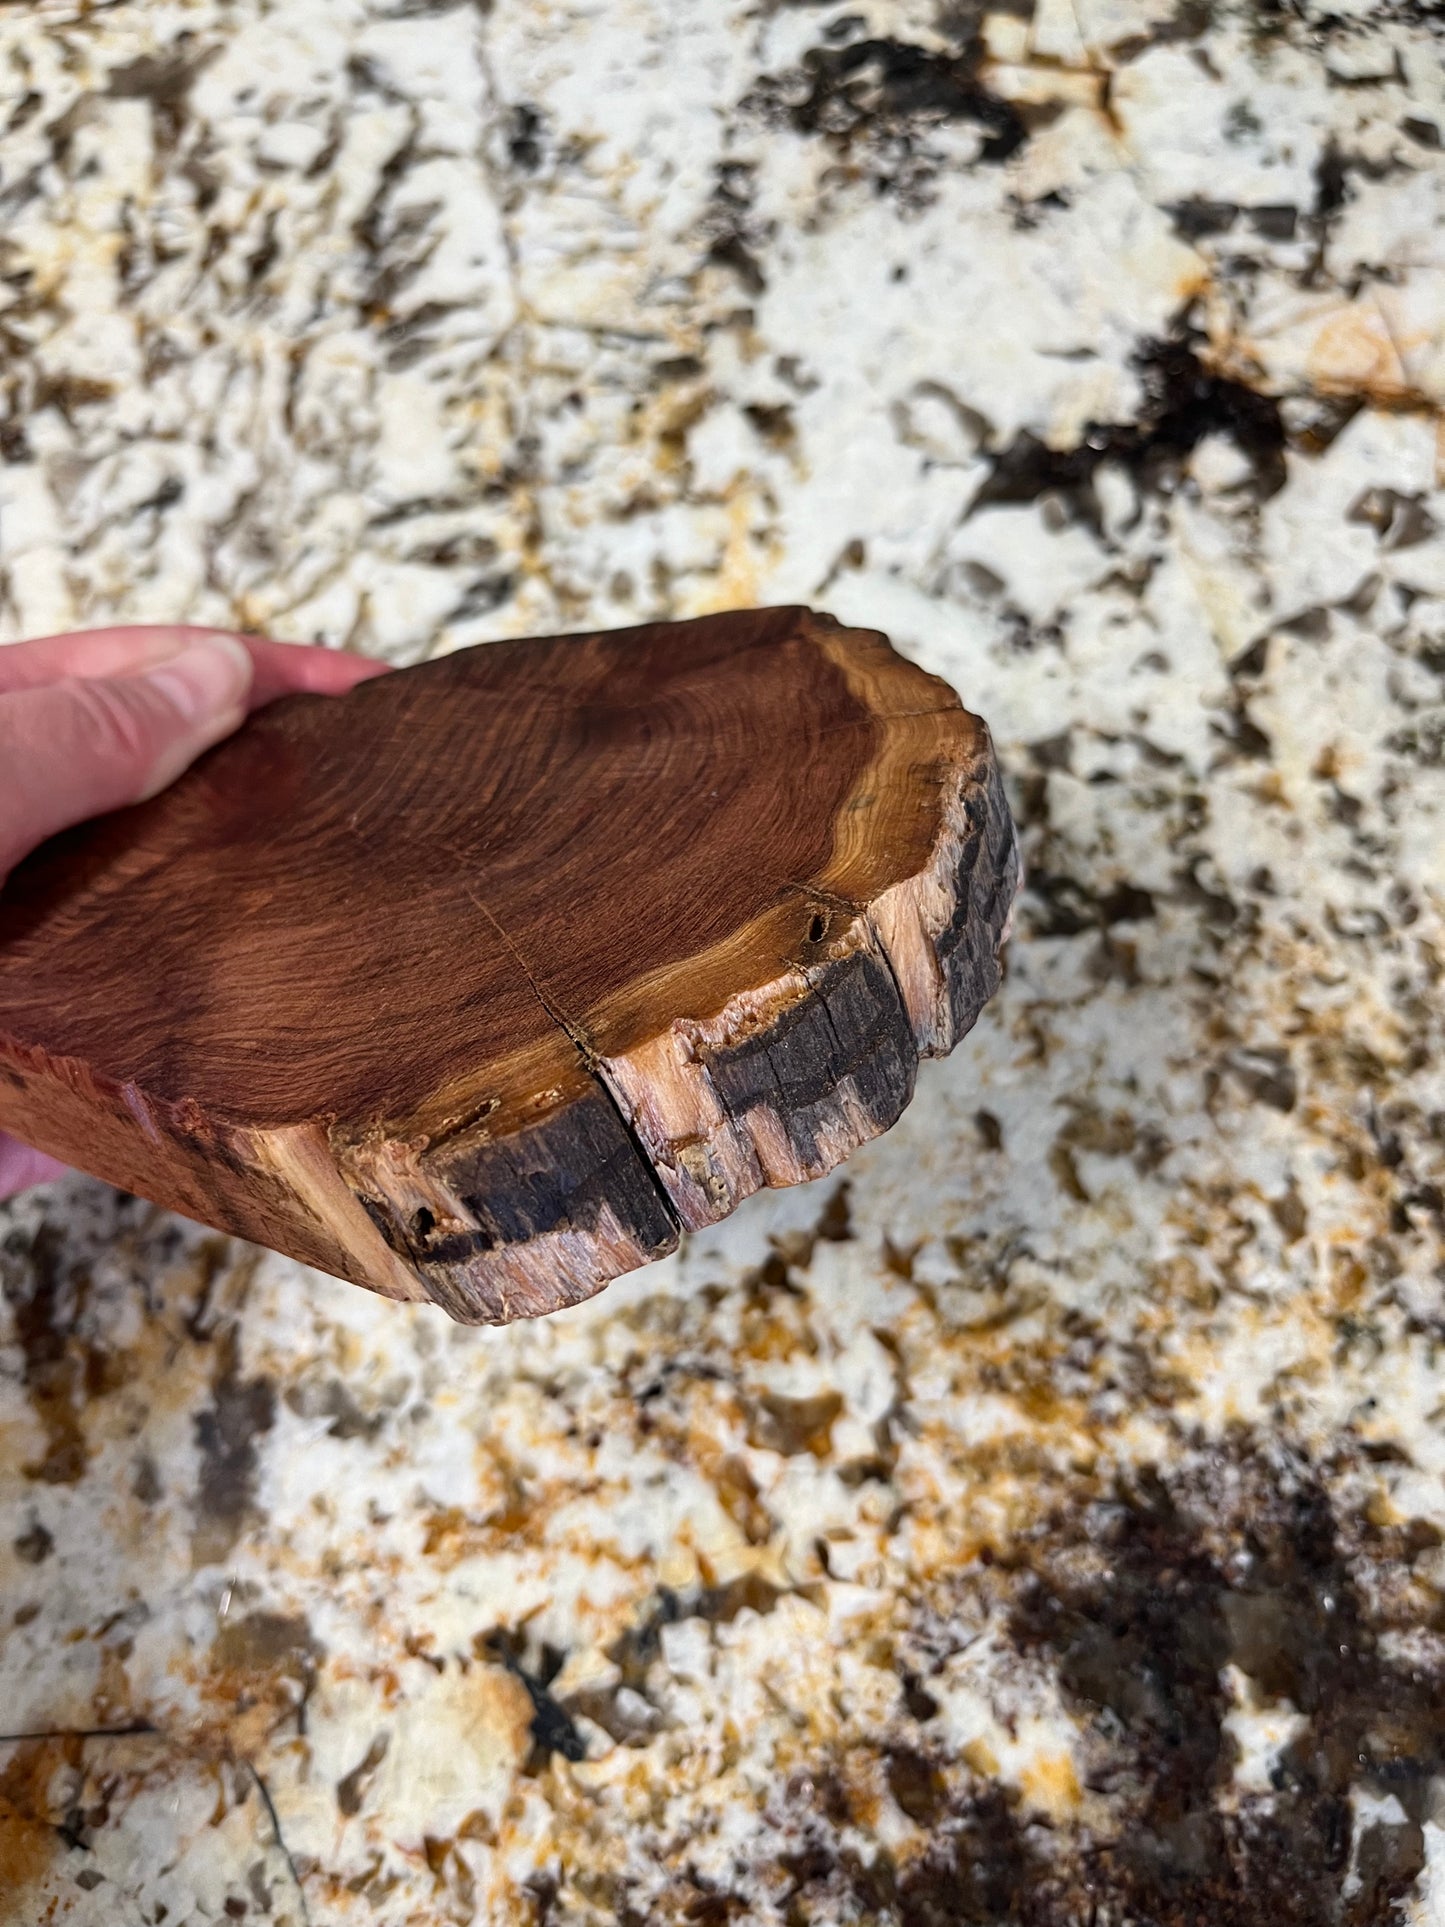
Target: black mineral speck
553,1729
874,99
1183,402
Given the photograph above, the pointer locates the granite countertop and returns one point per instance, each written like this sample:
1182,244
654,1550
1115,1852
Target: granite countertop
1044,1519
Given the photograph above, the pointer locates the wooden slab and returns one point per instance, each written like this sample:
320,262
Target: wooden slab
479,983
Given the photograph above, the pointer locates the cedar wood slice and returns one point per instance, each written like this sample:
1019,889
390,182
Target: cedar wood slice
479,983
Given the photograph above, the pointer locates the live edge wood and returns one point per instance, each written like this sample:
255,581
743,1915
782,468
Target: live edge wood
480,983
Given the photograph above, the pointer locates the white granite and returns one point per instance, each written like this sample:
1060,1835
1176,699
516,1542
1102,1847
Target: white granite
1052,1518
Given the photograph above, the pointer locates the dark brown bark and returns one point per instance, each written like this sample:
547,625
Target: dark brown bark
478,983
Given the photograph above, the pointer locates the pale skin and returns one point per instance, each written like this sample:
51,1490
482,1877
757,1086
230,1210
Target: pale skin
92,722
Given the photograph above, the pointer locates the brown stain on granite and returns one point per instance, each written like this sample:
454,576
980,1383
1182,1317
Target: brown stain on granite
30,1843
259,1671
59,1371
86,1391
1139,1593
1141,1638
241,1411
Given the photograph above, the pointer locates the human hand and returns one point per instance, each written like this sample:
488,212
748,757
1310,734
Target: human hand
91,722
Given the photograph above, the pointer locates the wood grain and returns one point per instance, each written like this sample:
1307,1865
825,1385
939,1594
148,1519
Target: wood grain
478,983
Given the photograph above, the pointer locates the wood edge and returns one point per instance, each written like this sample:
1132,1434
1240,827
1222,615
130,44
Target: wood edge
452,1203
890,685
935,933
300,1158
551,1271
777,1087
277,1188
944,928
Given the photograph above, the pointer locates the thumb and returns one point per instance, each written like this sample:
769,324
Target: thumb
72,750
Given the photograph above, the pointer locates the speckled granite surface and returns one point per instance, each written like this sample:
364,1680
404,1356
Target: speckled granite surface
1044,1525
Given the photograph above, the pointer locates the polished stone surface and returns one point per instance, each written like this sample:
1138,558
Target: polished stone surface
1046,1516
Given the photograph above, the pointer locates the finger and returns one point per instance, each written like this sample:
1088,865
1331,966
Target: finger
281,668
88,653
72,750
291,668
20,1167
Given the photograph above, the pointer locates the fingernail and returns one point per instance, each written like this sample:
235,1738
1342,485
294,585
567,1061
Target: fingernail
209,678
